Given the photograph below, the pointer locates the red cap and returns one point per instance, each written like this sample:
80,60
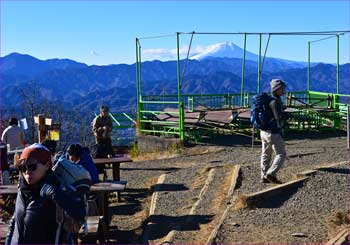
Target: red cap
38,152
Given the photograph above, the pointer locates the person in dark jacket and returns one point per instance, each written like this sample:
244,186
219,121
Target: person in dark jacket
272,139
34,219
102,127
81,155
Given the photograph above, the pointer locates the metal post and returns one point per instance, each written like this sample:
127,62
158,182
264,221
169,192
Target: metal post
348,127
137,72
308,72
182,126
259,60
178,66
140,76
137,86
308,66
180,105
243,64
337,64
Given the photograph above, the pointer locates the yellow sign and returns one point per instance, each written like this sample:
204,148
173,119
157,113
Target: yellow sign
54,135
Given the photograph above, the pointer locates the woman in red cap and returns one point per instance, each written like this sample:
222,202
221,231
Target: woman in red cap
34,219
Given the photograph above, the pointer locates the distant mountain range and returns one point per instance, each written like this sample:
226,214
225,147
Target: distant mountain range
216,70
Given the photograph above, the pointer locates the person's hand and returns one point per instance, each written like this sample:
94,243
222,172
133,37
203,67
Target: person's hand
47,191
49,188
107,129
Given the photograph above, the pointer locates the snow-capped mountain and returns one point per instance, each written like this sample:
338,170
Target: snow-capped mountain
224,50
228,50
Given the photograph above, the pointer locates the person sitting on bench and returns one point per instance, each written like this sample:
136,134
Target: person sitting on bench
81,155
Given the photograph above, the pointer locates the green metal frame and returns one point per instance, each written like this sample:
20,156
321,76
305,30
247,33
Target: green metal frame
149,107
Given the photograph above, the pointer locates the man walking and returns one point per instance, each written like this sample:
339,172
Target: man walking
271,138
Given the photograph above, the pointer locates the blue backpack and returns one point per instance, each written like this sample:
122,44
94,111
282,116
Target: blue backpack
261,114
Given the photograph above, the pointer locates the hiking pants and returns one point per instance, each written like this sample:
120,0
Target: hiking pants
271,142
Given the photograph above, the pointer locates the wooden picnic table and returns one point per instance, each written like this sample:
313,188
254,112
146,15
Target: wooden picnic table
109,186
100,189
15,151
115,161
8,189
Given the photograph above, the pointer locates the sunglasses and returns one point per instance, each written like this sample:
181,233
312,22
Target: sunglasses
30,165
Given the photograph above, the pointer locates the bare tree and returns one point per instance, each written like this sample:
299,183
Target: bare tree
30,101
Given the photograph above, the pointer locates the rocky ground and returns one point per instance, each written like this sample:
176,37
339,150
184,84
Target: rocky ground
191,199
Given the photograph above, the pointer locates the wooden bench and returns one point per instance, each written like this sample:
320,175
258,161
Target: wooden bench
115,162
3,232
95,231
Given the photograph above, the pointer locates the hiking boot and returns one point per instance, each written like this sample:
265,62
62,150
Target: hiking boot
263,180
273,179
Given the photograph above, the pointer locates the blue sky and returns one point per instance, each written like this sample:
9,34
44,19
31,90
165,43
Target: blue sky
103,32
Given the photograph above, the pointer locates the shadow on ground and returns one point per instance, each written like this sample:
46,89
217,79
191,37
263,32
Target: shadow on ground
124,236
313,134
169,187
231,140
246,140
277,200
150,169
160,225
336,170
304,154
132,199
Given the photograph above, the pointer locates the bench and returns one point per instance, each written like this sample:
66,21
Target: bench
94,231
3,232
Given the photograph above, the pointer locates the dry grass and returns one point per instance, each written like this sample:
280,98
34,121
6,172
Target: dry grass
241,202
172,152
201,178
341,218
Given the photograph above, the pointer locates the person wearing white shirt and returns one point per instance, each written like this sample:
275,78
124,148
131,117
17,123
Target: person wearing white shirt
13,135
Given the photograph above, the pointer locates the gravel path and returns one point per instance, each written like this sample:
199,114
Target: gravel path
207,214
131,215
175,199
308,211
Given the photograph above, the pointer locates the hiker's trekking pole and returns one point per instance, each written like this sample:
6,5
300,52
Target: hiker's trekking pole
59,220
253,137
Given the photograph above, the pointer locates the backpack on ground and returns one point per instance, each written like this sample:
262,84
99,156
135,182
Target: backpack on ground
76,181
261,115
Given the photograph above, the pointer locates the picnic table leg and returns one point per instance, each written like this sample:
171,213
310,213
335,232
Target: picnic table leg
116,171
116,176
103,210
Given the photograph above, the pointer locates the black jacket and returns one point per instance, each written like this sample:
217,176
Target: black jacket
278,116
34,219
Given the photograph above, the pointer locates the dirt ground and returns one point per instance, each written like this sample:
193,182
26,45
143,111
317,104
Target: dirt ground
192,198
184,172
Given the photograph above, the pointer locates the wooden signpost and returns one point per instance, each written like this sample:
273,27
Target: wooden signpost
46,129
